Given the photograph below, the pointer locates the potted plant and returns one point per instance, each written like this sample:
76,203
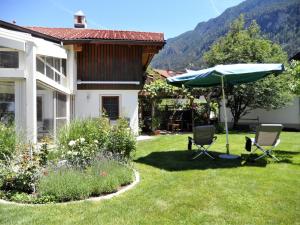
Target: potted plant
155,125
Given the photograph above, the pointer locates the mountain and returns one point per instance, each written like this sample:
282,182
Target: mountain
279,21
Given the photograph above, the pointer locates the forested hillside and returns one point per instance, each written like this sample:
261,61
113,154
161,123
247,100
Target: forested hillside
279,21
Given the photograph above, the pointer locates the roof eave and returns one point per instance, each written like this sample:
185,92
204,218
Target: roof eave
26,30
113,41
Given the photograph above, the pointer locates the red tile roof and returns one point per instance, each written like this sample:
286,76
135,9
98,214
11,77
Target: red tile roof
166,73
81,34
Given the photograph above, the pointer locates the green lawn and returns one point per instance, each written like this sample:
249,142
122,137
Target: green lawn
176,190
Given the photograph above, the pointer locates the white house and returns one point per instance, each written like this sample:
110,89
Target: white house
289,116
49,76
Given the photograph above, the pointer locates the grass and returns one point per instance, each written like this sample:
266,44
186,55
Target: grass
176,190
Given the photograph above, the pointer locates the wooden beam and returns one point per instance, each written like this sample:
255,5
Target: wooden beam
77,47
146,59
151,49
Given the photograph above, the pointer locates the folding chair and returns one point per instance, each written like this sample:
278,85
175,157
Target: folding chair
203,136
267,135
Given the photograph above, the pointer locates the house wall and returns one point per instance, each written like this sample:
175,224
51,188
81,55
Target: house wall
288,116
88,104
110,62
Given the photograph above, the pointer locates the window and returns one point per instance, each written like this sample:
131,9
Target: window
9,59
55,67
110,106
39,108
7,102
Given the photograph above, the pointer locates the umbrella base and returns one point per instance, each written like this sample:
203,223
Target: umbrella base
228,156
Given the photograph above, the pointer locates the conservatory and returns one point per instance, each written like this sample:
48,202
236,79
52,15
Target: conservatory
34,84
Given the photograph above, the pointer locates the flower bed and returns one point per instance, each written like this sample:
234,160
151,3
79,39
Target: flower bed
85,164
70,184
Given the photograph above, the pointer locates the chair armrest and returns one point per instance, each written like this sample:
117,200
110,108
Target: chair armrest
277,142
252,139
248,144
190,143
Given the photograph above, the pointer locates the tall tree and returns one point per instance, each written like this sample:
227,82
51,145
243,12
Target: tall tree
246,45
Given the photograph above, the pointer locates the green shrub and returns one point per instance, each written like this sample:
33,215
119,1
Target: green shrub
91,130
121,141
8,139
43,154
21,197
30,199
80,153
82,139
20,172
43,199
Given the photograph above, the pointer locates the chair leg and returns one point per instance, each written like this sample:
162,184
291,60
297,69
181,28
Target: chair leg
266,153
269,152
203,151
198,155
274,157
262,156
209,155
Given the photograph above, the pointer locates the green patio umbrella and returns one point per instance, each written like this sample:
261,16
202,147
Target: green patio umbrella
225,75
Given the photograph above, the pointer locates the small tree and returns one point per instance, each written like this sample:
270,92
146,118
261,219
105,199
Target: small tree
294,71
156,91
246,45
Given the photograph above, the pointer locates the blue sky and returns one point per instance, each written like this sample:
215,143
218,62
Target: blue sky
171,17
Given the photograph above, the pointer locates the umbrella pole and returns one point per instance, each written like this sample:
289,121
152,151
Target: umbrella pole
225,115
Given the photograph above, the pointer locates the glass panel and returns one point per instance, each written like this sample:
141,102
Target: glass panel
7,102
57,64
49,71
61,110
110,106
60,123
40,66
61,105
45,111
64,66
58,68
39,107
9,59
57,77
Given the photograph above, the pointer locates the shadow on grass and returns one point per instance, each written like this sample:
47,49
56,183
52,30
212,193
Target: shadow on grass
281,155
286,156
182,160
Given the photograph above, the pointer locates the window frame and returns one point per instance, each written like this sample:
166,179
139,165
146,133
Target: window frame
53,67
4,49
111,96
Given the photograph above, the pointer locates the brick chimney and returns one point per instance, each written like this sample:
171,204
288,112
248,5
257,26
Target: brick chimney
80,20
